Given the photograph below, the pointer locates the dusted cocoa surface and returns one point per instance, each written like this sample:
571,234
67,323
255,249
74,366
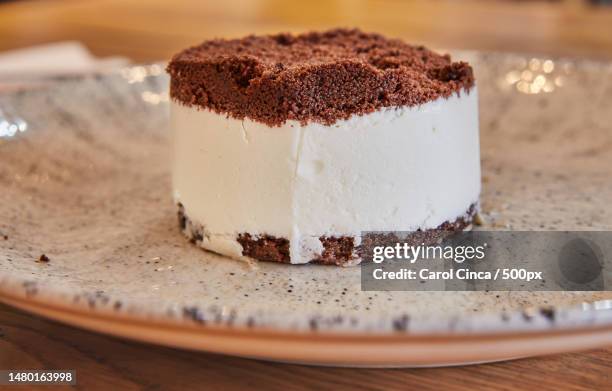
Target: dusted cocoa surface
318,76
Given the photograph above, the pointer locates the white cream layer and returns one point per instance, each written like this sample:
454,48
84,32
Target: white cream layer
395,169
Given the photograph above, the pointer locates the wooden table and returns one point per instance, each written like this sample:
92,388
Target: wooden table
153,30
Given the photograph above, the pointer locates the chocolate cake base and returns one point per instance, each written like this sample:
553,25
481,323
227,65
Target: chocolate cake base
339,251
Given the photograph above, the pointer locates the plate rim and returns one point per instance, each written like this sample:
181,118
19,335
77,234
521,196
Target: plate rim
330,350
99,312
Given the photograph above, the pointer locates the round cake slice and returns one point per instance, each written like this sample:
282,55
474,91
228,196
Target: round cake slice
288,147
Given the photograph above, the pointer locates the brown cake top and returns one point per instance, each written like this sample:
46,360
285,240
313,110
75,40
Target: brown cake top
318,76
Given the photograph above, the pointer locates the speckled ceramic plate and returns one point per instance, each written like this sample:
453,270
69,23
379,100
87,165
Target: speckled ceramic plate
84,179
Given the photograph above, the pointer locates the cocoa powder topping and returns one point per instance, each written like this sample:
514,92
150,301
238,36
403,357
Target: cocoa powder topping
314,77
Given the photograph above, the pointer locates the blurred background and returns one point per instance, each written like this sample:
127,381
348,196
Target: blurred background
144,31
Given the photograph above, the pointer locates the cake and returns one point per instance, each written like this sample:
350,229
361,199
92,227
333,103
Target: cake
288,147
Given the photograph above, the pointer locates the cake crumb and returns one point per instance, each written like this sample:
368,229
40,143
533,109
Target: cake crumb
43,259
479,219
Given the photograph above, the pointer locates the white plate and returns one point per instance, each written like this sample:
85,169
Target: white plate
84,179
